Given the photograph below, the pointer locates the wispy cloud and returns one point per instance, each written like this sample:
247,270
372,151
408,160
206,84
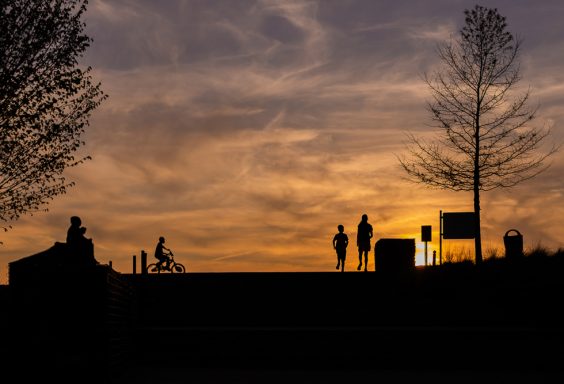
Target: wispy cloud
246,131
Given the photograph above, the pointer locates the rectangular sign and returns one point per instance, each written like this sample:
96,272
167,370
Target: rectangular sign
459,225
425,233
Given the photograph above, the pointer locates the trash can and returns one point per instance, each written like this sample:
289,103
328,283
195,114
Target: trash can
394,255
513,244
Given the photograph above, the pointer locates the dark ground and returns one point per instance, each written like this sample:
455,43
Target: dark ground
498,323
292,376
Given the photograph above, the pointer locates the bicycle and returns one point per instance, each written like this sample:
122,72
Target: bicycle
173,266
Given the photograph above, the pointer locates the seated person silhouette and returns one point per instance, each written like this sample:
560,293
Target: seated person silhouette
81,248
161,255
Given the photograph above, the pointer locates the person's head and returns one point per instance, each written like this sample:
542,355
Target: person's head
161,239
365,217
75,221
340,228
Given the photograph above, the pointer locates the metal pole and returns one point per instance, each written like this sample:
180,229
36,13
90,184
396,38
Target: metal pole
440,237
426,254
134,264
143,262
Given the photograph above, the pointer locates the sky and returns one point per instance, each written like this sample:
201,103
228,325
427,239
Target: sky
244,132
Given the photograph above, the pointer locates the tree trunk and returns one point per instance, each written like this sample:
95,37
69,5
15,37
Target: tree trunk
477,230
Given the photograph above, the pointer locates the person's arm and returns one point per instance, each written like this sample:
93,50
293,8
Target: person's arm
334,241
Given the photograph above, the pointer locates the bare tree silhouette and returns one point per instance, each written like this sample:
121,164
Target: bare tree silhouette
485,139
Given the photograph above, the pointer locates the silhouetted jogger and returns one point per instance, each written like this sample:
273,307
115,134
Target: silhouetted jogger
340,243
363,236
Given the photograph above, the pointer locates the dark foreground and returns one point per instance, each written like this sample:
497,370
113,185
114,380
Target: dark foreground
500,322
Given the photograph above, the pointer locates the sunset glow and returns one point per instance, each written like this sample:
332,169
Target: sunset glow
244,132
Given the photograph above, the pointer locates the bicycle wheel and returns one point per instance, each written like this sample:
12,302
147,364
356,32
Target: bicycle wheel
178,268
152,268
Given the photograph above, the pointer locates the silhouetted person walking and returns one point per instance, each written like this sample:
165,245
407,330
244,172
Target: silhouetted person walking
340,243
161,255
363,236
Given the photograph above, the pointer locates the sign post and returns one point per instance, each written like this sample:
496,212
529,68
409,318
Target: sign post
426,237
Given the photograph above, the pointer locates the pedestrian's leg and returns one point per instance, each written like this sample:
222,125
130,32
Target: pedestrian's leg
359,259
365,261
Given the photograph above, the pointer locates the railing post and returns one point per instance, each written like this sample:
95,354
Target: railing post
134,264
143,262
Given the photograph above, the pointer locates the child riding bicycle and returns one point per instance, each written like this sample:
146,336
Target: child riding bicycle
161,255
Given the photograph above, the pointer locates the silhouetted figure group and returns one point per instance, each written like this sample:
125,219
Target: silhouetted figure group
364,235
81,249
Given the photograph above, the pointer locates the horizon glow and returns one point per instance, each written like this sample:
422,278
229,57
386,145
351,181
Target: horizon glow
245,132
